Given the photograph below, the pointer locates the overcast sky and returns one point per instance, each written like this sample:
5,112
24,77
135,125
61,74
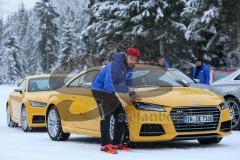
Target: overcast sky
9,6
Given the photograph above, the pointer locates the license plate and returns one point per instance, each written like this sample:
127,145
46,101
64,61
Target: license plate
198,119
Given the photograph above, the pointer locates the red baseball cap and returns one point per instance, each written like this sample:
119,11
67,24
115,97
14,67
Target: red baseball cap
134,52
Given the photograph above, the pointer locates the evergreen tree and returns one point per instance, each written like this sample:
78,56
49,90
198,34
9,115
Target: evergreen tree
31,56
146,22
230,20
1,35
48,43
1,51
12,52
23,20
206,31
1,31
67,44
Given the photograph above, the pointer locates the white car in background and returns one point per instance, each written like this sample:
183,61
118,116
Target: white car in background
227,87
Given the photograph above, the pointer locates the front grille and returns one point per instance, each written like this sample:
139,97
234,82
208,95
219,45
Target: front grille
177,115
151,130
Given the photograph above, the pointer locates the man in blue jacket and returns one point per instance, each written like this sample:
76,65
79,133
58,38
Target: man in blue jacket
201,72
162,62
114,78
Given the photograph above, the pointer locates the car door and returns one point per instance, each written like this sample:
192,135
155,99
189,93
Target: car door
17,99
84,104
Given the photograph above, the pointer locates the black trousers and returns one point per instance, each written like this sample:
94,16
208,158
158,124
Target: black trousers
113,124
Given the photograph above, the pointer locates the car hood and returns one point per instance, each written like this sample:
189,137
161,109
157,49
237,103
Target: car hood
199,85
40,96
179,96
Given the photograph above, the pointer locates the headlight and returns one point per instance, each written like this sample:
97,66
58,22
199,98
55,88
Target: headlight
37,104
148,107
224,105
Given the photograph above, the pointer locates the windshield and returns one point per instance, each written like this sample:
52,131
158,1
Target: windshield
43,84
153,77
181,76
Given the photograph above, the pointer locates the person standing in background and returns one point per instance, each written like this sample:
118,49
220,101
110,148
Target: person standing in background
162,62
201,72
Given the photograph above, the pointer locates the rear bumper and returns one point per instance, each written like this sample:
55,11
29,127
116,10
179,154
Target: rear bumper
161,127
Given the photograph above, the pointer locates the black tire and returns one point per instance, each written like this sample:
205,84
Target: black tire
234,107
10,122
210,140
24,120
58,134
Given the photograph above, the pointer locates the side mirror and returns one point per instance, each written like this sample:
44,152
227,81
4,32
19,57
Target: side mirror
18,90
187,83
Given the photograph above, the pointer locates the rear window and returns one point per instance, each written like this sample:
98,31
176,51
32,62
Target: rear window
220,75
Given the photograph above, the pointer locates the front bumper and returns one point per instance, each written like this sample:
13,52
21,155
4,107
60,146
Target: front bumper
36,116
152,126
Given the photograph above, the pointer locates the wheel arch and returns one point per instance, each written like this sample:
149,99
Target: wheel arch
231,96
48,109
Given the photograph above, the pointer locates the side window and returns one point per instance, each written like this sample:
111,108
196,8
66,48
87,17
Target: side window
86,79
75,83
237,78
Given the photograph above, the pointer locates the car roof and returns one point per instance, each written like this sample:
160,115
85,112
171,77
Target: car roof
46,75
38,76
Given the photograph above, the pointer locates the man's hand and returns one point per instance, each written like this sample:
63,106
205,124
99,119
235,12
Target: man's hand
136,98
131,89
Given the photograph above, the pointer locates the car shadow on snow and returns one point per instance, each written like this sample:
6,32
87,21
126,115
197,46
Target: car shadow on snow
88,140
153,145
175,144
32,130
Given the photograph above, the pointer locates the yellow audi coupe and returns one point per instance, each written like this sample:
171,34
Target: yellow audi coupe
27,104
169,109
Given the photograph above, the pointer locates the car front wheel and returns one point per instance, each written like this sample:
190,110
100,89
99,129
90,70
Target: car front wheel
210,140
10,123
234,107
54,126
24,120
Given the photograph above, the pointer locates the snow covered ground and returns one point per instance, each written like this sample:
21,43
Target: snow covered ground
16,145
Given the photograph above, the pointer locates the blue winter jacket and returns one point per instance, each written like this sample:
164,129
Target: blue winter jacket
203,75
114,77
166,64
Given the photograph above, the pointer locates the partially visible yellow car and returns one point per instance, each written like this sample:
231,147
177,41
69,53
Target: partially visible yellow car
27,104
169,109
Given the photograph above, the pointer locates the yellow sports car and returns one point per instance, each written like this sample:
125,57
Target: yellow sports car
27,104
168,110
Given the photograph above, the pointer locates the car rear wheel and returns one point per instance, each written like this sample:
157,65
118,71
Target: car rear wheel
210,140
10,123
54,126
24,120
234,107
